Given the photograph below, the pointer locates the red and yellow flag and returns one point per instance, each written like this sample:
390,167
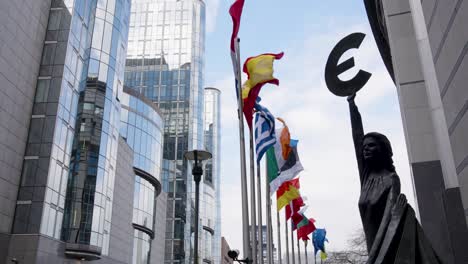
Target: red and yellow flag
287,192
259,70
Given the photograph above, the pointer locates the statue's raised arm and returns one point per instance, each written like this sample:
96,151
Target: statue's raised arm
358,134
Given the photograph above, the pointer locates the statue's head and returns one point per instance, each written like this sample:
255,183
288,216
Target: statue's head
377,151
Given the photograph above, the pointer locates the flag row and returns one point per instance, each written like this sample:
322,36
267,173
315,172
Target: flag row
282,159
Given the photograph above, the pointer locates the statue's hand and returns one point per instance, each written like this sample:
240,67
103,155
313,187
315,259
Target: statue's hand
399,206
351,97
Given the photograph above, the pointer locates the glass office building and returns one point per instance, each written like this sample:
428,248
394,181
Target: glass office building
141,127
96,50
211,206
84,193
165,62
68,170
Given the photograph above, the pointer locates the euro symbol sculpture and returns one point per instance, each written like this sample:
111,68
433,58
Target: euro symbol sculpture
333,69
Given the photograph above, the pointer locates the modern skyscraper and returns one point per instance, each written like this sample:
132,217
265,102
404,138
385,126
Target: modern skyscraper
165,62
71,187
424,45
211,199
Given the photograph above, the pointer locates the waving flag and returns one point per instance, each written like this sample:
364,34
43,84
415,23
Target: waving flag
293,207
265,136
283,162
319,238
236,12
288,191
259,70
306,228
298,220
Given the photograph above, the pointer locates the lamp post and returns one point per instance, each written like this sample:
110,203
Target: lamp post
198,156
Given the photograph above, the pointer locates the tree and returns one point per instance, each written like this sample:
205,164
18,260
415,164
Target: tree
356,252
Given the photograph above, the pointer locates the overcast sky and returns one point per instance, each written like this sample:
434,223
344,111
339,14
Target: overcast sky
306,30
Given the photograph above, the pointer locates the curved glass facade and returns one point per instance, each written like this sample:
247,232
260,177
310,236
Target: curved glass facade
97,49
141,247
141,127
211,178
143,203
165,62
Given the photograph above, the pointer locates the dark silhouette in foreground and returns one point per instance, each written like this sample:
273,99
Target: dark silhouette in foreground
393,234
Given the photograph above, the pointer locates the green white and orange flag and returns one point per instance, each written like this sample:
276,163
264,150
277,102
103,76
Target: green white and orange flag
259,70
283,162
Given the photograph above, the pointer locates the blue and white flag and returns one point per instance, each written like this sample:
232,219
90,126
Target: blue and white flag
264,130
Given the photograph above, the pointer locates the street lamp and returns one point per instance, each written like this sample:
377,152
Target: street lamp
198,156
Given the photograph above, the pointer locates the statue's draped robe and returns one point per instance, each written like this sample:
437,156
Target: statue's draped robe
393,234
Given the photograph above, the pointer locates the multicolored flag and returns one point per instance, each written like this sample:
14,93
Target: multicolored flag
288,191
236,12
265,136
306,228
319,238
298,220
283,162
259,70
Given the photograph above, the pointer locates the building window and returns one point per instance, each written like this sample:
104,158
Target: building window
141,247
143,203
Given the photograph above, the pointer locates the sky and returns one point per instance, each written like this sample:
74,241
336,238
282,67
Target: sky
306,30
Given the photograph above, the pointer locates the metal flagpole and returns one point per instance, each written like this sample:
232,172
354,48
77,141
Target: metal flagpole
287,237
253,222
298,251
305,249
280,256
268,216
271,236
292,244
259,203
245,200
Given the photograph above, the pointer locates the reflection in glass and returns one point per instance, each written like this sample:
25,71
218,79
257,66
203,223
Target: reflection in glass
98,84
141,247
143,203
165,63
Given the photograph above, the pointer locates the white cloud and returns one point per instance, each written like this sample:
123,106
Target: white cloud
321,122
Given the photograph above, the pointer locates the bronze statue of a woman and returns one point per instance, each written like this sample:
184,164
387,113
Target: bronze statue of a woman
393,234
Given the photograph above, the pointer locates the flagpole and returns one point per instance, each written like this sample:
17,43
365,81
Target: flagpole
268,220
298,251
272,249
253,222
245,202
260,224
279,236
305,249
287,237
292,244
